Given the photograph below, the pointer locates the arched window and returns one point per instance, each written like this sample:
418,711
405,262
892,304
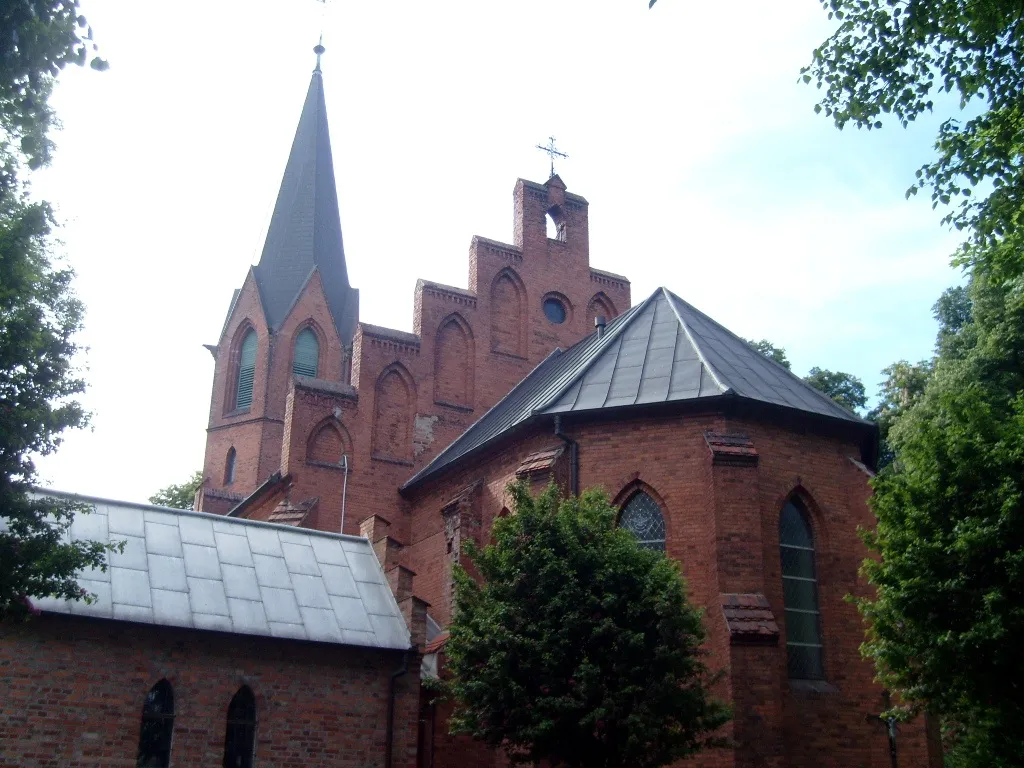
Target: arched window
643,518
241,730
306,359
800,593
229,467
157,726
246,371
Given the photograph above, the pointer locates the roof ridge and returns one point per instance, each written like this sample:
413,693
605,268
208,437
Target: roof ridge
605,340
764,358
696,347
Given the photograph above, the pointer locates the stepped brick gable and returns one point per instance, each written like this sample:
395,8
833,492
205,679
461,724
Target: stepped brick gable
323,428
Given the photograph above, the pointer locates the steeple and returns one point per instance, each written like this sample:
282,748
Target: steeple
305,229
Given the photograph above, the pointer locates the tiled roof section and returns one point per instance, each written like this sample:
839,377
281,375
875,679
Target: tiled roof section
305,229
289,513
749,618
201,571
539,462
436,644
731,449
663,350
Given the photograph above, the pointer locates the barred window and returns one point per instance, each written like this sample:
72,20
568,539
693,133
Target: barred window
306,358
157,726
241,730
643,518
800,593
246,371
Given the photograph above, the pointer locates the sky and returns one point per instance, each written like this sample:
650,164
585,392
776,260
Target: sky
686,125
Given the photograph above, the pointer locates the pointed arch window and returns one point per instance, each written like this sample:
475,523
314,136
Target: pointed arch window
246,371
157,726
643,518
229,466
240,735
306,357
800,593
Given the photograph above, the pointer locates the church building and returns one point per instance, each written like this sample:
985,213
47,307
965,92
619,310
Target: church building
541,369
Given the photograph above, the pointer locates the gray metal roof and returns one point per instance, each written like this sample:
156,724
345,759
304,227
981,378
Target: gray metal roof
663,350
305,229
202,571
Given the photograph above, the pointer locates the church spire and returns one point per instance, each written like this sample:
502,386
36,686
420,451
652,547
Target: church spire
305,229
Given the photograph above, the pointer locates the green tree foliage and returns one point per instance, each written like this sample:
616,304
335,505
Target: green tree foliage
578,648
39,314
845,388
948,615
903,386
769,350
38,38
894,57
180,496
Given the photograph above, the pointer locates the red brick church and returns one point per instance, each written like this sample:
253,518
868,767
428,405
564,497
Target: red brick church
543,368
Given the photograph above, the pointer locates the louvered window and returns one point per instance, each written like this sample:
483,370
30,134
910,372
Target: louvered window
157,727
246,371
800,594
643,518
241,730
307,354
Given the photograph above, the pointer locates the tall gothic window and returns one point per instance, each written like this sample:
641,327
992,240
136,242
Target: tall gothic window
229,466
800,593
157,726
241,730
643,518
246,371
306,359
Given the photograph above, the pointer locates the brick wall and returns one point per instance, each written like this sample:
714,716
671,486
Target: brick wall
722,526
413,392
74,689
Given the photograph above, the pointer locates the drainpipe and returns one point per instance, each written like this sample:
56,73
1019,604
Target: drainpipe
344,489
390,729
574,456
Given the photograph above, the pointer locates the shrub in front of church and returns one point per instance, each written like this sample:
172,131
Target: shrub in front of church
577,646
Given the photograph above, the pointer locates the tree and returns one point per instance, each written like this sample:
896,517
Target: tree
845,388
180,496
39,315
769,350
950,509
902,388
38,319
894,57
38,39
579,647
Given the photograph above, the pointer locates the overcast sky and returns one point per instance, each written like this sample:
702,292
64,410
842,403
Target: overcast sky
706,169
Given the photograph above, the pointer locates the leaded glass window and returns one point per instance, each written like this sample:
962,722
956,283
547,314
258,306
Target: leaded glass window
241,730
157,726
246,371
306,360
643,518
800,594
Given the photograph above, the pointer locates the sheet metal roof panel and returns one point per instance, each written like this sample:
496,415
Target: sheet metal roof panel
662,350
195,570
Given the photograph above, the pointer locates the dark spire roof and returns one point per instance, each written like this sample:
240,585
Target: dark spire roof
305,230
660,351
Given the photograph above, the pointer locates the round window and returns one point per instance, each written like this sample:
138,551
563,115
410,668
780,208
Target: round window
554,310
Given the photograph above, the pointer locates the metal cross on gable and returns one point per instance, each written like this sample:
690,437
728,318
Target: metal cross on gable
552,152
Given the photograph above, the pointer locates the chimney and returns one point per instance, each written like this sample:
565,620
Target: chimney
600,322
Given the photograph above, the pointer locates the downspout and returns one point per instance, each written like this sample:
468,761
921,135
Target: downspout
390,728
574,456
344,489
